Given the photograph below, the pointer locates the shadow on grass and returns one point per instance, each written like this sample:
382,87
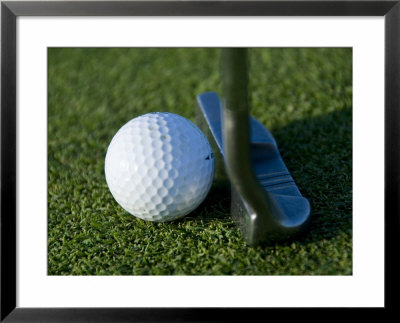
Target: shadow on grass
216,206
318,153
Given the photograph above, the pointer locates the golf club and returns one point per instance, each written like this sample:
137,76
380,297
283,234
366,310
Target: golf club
266,202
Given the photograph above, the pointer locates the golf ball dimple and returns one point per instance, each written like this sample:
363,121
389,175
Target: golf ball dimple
159,166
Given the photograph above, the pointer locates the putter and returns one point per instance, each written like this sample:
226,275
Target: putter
266,202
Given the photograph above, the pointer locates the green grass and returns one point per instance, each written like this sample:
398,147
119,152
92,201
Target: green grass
304,97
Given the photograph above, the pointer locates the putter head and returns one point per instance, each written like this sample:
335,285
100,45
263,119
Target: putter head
266,202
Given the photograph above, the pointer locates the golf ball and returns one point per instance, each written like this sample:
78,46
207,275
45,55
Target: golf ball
159,166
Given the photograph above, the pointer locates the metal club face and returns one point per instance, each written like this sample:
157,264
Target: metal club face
282,210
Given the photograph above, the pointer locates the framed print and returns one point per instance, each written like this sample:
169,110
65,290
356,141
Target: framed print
131,184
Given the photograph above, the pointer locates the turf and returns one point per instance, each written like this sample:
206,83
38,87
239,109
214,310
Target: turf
304,97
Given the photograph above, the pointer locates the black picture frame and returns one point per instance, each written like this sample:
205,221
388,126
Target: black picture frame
11,10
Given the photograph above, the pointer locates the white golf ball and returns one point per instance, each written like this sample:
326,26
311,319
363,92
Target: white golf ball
159,166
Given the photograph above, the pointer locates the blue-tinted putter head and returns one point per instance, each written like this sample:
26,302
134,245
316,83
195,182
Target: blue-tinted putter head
266,202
